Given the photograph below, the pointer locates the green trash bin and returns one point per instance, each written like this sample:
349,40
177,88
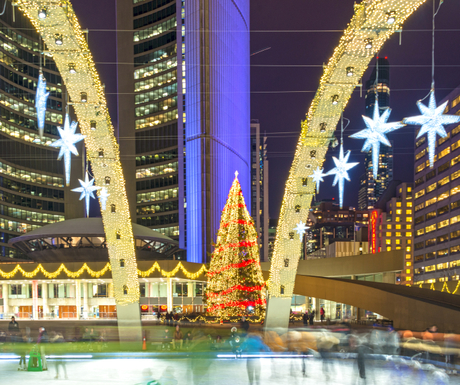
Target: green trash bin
35,361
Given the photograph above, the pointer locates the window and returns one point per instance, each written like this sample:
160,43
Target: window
388,248
454,250
419,194
431,201
420,167
430,215
398,204
443,153
455,234
430,175
443,224
398,241
418,258
408,234
408,227
455,160
455,190
398,234
431,188
442,238
399,211
409,189
455,219
430,242
420,154
419,245
420,141
456,145
443,253
430,268
454,205
419,181
408,278
409,204
388,234
443,196
407,271
398,219
420,206
398,227
389,227
443,167
408,264
443,181
420,232
419,219
429,229
443,210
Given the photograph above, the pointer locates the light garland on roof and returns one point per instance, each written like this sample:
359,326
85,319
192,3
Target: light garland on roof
370,23
67,45
99,273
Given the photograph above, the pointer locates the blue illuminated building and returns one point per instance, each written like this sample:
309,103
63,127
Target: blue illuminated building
189,114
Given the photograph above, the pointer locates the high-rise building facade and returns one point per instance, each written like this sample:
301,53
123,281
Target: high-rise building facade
183,96
32,184
391,226
437,204
259,188
370,189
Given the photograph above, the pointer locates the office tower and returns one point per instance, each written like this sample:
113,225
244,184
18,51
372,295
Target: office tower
183,96
370,189
391,226
32,185
259,188
437,204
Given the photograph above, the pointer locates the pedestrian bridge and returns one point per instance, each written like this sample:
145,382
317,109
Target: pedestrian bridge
337,279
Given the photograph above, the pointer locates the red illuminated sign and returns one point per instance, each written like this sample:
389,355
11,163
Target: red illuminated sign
144,307
373,237
163,307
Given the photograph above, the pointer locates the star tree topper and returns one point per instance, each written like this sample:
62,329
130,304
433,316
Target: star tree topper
41,96
301,228
375,132
86,190
432,121
318,177
67,144
340,171
103,196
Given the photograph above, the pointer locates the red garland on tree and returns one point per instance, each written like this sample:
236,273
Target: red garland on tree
235,283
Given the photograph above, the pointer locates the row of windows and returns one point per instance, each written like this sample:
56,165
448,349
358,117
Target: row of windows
17,227
438,226
397,227
155,69
5,237
159,220
146,160
157,170
170,231
154,196
439,254
31,203
27,43
157,182
155,43
154,17
158,208
27,136
31,72
440,211
10,252
157,81
440,183
155,120
26,56
25,122
154,56
150,6
153,108
32,216
439,198
434,241
156,139
157,94
31,176
156,30
441,168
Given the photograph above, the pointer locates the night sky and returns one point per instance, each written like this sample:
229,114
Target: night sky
302,35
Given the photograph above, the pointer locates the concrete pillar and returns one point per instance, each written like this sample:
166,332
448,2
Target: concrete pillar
35,300
46,309
78,297
169,294
110,290
6,309
85,297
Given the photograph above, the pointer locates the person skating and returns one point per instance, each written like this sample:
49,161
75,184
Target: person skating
13,326
42,341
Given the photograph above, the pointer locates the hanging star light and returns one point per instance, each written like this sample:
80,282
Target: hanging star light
301,228
340,171
86,191
67,144
432,121
103,196
318,177
41,96
375,132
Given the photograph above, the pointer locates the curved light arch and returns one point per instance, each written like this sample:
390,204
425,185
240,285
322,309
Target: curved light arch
368,22
101,146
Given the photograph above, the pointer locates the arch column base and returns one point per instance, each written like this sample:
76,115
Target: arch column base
129,326
277,316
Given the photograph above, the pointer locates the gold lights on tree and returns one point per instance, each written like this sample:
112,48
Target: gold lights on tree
369,28
66,43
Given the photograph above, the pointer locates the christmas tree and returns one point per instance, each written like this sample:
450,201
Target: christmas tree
235,282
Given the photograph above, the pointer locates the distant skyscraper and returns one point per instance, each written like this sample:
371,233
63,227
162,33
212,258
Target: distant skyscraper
189,113
259,187
370,189
32,184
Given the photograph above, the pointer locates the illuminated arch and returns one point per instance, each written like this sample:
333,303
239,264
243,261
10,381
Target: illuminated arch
88,99
369,27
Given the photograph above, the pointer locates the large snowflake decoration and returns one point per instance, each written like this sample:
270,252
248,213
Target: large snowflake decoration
67,144
318,177
340,171
103,196
41,96
375,132
301,228
432,121
87,188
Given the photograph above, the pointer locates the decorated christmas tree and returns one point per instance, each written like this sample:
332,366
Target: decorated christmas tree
235,283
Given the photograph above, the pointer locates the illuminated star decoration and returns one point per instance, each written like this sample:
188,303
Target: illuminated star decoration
67,144
300,228
318,177
41,96
86,191
432,121
340,171
374,134
103,195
